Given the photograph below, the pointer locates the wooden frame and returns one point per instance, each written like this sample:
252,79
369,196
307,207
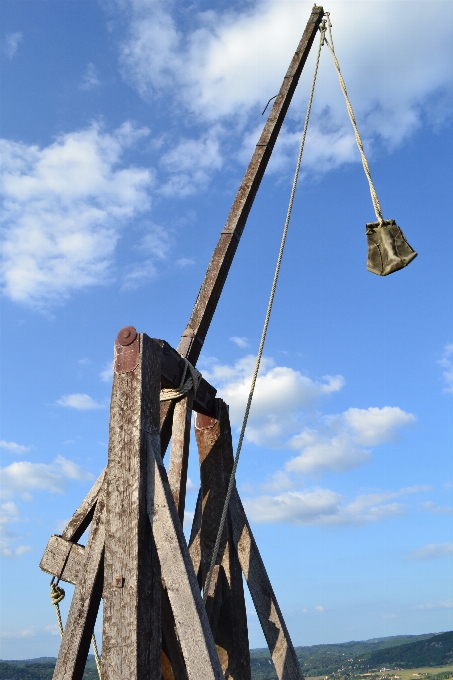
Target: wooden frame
155,625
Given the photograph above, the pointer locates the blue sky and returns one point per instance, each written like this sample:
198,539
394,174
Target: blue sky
126,126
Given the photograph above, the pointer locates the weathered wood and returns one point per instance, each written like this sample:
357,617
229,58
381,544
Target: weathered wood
82,517
189,613
195,534
179,452
193,337
225,603
79,627
63,559
263,596
131,643
175,668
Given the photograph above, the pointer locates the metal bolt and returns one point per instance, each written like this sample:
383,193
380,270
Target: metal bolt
127,335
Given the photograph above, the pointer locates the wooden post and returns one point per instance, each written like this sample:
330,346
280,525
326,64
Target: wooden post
131,642
179,452
225,603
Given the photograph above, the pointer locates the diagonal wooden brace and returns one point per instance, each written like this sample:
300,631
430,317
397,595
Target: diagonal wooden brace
263,596
85,602
191,621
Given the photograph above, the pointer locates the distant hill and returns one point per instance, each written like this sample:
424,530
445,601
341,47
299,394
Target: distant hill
405,651
435,651
40,669
352,657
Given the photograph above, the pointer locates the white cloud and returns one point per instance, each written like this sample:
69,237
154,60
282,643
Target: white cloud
240,342
13,447
320,506
63,209
23,477
227,65
11,43
284,400
191,163
107,374
431,551
81,402
337,443
443,510
155,245
447,363
280,394
90,78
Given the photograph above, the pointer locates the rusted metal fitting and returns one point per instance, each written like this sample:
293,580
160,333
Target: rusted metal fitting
127,335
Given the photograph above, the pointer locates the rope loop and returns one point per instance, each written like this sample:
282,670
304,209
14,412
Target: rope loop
190,380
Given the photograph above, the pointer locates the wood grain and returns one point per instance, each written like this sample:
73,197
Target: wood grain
263,596
85,602
179,452
225,603
82,517
63,559
131,644
188,609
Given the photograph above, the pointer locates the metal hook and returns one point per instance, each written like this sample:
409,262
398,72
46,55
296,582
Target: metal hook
264,110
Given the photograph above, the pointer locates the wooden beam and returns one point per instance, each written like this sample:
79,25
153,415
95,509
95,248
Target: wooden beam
193,337
178,575
63,559
79,627
225,603
131,639
82,517
179,452
266,605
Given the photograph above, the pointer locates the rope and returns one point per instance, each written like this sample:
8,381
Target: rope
57,595
185,386
358,139
264,333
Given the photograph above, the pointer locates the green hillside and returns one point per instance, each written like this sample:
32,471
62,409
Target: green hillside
435,651
346,659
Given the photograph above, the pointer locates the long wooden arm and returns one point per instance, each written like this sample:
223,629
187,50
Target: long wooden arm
194,336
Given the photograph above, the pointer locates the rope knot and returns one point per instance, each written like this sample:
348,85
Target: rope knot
56,594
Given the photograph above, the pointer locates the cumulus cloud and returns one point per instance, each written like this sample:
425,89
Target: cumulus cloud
280,394
81,402
432,551
284,400
19,479
11,43
63,209
23,477
447,363
326,507
337,443
224,66
13,447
